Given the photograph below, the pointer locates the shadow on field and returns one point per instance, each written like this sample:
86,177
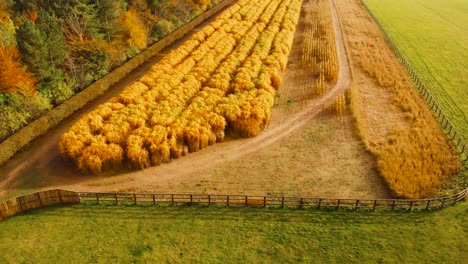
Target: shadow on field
213,213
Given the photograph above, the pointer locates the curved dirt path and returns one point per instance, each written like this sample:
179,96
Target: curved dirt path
43,154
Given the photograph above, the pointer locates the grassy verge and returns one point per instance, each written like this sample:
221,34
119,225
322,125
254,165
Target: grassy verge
432,35
126,234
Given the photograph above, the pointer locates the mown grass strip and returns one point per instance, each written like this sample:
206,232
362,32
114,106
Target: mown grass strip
128,234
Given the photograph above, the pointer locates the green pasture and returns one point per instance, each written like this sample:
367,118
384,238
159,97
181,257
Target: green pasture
147,234
433,36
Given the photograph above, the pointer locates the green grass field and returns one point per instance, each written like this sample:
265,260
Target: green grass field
136,234
433,36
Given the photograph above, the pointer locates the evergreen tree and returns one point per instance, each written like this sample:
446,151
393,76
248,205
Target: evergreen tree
107,13
43,48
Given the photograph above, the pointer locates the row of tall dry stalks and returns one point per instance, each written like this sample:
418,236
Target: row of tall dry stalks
319,45
223,79
319,54
413,154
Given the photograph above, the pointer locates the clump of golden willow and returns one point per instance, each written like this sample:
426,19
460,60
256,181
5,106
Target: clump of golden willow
222,80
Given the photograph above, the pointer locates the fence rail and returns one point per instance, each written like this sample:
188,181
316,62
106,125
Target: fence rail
37,200
269,201
60,197
439,114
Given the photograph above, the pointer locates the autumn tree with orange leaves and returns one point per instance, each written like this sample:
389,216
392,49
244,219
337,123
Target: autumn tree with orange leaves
13,79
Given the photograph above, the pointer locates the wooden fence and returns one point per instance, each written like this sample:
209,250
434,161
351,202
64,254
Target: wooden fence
441,117
60,197
37,200
269,201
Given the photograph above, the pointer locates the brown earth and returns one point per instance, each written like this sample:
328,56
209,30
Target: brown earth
301,152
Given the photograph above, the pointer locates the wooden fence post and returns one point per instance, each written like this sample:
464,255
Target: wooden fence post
227,201
319,203
246,200
356,205
301,205
18,200
338,204
191,199
60,196
393,205
209,199
427,206
97,198
116,199
39,198
172,199
134,199
282,202
375,204
264,201
446,123
154,199
411,205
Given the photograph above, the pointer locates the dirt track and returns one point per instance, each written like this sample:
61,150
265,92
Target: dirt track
42,160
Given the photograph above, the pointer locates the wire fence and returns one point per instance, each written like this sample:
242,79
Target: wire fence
42,199
441,117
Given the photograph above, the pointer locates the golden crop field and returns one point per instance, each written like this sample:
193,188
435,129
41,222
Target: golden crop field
223,79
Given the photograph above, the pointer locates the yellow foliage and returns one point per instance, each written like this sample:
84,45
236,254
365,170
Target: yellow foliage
319,45
137,34
224,78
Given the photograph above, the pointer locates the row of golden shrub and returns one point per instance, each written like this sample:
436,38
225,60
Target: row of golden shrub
223,78
319,46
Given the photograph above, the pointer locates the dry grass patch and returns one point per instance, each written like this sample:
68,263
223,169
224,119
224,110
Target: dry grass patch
414,156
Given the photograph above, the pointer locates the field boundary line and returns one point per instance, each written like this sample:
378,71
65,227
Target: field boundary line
452,134
55,197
